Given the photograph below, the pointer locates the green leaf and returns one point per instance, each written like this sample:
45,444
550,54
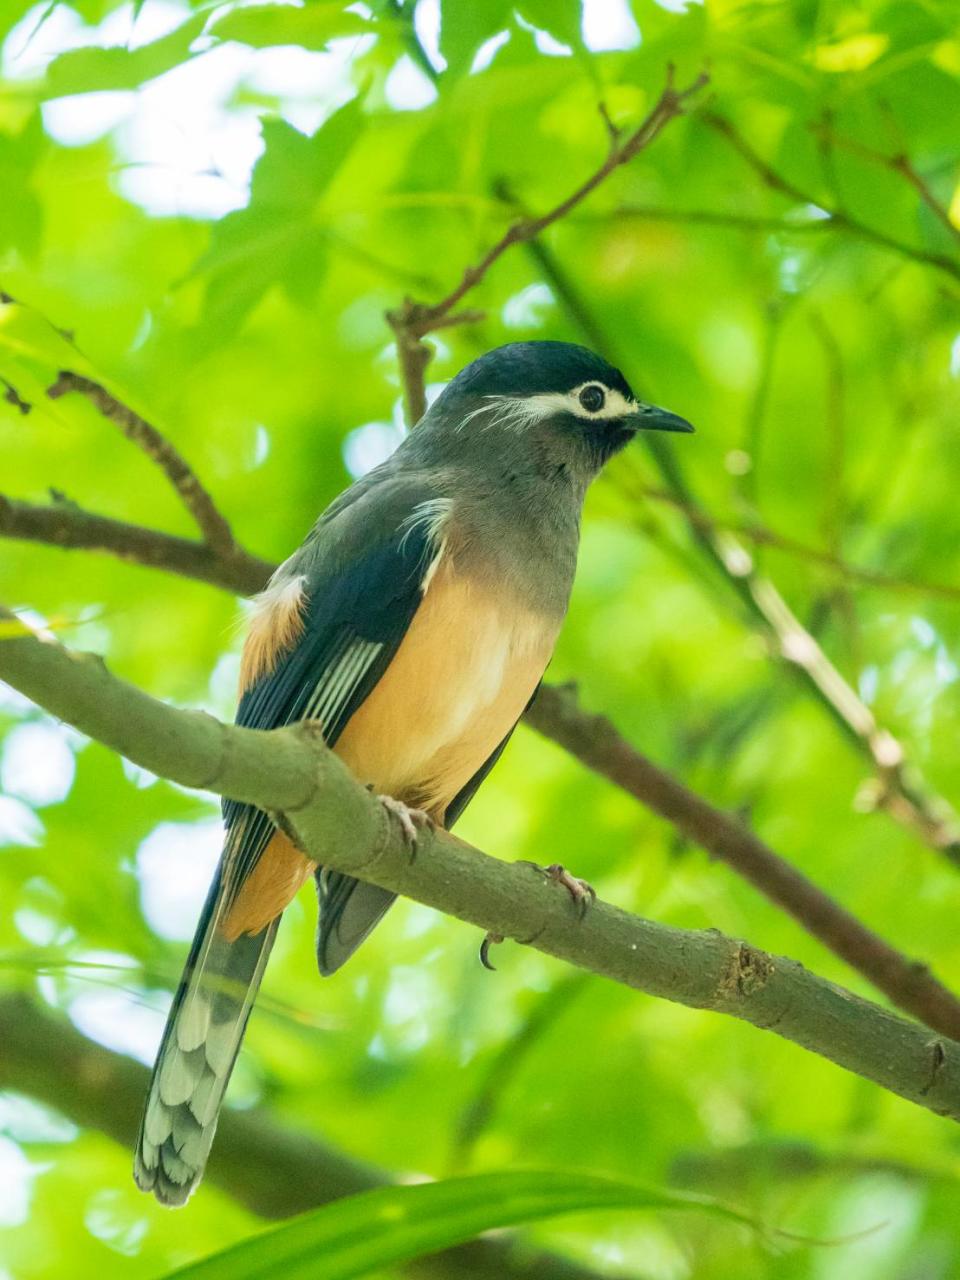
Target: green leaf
276,239
561,18
21,218
465,27
94,69
311,26
377,1229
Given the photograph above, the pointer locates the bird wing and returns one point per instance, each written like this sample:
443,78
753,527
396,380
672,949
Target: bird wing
360,574
323,634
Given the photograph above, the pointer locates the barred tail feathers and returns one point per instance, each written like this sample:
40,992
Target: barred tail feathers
200,1044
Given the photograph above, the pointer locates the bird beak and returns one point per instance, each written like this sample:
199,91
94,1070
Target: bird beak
649,417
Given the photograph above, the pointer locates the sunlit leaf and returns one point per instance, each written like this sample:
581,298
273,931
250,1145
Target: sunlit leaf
353,1237
311,26
464,28
95,69
854,54
277,239
561,18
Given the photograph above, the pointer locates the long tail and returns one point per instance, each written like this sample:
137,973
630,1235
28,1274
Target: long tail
200,1045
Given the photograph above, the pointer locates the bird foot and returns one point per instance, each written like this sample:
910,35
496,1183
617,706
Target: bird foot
581,892
412,821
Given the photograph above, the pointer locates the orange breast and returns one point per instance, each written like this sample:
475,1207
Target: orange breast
466,669
460,680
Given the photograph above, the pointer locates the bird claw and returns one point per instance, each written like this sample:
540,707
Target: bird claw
489,940
412,821
581,892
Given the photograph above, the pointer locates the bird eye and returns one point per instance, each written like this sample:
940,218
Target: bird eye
592,398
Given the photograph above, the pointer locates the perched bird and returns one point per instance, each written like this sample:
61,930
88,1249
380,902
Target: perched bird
414,623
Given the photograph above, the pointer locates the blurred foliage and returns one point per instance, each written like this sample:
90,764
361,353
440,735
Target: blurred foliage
819,358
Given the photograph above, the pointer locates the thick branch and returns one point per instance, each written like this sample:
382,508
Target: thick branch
62,524
215,530
588,738
596,743
290,773
272,1170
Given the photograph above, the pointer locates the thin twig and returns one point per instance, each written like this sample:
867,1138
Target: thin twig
709,218
838,217
614,131
421,318
215,530
412,321
833,474
68,526
757,408
900,163
763,535
403,14
771,1162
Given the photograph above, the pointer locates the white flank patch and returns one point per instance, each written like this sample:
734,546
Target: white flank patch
430,516
281,593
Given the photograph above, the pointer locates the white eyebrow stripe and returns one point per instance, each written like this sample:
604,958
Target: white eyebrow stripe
525,411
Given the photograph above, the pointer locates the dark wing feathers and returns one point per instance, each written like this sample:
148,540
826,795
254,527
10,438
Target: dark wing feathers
355,619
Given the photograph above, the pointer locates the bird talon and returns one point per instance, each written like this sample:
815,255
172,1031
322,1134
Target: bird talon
411,820
489,940
582,893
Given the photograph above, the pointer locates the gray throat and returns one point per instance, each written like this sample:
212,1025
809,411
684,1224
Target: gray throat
520,529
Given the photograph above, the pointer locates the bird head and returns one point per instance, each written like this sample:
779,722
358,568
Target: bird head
560,404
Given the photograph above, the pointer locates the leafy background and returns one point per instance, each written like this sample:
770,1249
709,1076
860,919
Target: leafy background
218,203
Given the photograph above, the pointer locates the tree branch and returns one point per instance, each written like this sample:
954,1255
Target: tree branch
63,524
594,741
762,535
900,163
66,525
774,1161
272,1170
213,526
588,738
414,320
893,788
839,218
290,773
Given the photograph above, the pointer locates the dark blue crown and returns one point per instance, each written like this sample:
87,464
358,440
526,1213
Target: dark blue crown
529,368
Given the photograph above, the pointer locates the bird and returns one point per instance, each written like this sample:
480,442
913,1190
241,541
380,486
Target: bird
414,624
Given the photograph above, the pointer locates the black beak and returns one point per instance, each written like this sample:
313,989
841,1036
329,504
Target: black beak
649,417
